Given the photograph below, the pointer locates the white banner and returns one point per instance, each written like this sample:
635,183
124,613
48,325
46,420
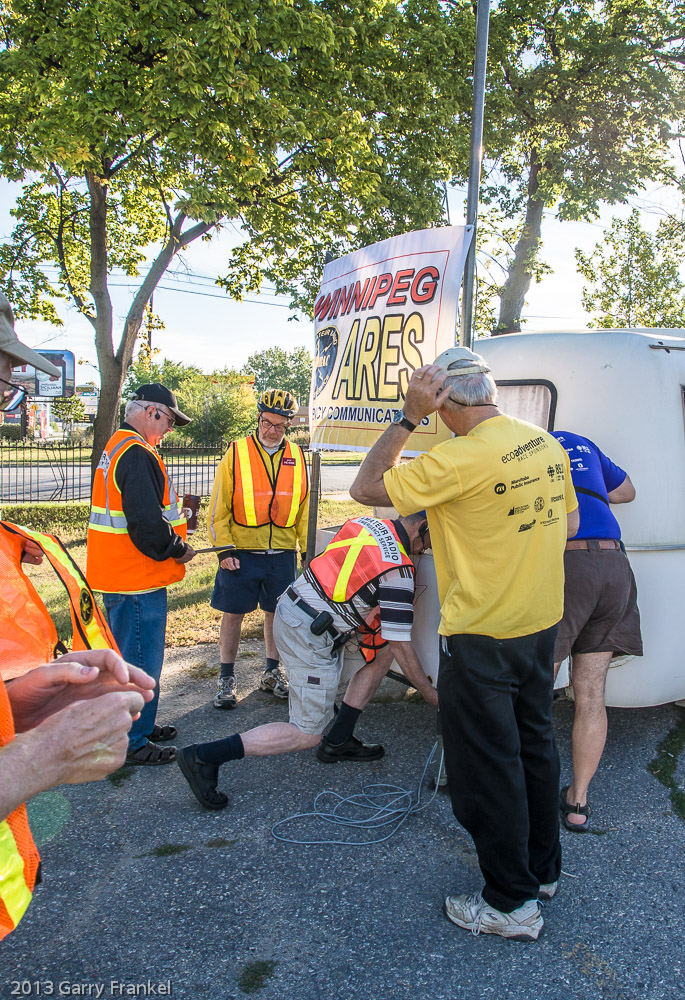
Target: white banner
382,312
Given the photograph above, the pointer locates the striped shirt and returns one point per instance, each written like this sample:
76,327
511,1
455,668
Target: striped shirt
392,593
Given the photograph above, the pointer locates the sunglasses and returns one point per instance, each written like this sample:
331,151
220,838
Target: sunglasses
12,396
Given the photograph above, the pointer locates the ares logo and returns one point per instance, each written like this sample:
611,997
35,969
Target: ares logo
500,488
85,602
326,353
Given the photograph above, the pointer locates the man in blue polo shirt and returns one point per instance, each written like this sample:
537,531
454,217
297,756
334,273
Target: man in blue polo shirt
601,617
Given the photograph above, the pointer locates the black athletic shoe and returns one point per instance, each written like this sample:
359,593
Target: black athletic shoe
351,749
202,778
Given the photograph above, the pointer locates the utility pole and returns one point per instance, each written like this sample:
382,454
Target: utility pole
475,161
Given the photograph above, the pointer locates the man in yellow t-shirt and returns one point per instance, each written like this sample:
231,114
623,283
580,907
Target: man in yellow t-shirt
500,505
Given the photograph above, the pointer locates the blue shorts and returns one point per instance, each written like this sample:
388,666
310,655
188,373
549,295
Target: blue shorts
261,580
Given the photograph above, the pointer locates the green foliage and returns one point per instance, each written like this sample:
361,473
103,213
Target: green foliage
11,432
581,103
279,369
69,409
635,275
665,764
139,128
221,405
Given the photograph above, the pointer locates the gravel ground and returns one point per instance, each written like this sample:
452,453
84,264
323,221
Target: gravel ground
142,887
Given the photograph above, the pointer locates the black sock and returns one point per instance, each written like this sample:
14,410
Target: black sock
221,751
227,670
272,664
344,724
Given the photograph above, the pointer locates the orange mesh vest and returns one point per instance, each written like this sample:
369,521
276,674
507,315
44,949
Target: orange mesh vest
114,564
19,858
364,549
256,499
27,634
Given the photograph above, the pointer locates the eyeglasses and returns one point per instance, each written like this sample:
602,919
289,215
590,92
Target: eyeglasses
171,420
272,426
12,397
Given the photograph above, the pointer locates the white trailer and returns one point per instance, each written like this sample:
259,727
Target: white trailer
625,390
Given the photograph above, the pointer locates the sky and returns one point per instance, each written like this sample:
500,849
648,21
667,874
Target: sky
206,328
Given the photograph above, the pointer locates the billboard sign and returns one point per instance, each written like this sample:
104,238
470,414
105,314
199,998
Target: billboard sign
42,386
382,312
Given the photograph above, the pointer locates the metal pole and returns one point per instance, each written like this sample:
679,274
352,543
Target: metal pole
314,494
476,158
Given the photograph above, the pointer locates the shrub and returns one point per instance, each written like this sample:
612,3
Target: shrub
53,518
12,432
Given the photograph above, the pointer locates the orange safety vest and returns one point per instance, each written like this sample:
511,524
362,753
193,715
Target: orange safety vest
19,857
28,637
364,549
256,499
113,563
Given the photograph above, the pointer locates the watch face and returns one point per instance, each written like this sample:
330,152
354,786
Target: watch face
399,416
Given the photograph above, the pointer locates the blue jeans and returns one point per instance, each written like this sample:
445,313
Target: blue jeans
138,623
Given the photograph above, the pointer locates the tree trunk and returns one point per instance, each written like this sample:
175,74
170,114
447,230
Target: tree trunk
515,288
114,365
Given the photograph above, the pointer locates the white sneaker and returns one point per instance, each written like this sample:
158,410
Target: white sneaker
274,682
475,915
547,890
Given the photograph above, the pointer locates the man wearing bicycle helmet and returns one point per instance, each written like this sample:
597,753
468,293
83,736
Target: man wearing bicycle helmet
258,509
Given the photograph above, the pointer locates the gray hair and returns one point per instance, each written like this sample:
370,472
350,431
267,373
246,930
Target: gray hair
133,403
470,390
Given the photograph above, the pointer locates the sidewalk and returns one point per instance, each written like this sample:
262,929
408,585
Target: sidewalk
142,887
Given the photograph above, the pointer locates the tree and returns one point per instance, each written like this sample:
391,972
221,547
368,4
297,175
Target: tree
222,406
635,275
581,100
139,128
278,369
69,410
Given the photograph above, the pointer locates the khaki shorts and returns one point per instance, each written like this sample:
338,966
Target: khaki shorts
312,667
600,605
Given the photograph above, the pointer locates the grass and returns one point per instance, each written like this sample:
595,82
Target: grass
255,974
342,457
221,842
122,774
665,764
166,850
191,620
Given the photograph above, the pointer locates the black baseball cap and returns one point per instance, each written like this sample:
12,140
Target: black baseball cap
155,392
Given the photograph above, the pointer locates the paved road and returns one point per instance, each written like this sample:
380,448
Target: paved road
342,923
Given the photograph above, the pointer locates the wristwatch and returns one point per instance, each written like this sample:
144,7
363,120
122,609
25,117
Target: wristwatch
400,419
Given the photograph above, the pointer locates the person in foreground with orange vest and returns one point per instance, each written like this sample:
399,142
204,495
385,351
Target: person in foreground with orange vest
65,722
258,509
361,586
137,547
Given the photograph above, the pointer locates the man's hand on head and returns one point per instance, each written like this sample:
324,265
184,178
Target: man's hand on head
425,393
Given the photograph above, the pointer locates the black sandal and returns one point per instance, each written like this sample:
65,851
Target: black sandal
162,734
150,755
576,810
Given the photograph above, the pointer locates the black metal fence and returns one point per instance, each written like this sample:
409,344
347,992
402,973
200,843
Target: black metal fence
32,472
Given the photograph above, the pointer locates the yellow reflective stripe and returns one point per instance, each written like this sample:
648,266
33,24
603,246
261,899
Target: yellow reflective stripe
177,521
112,531
14,891
297,488
247,487
355,546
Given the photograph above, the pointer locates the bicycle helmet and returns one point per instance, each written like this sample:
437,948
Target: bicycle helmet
277,401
